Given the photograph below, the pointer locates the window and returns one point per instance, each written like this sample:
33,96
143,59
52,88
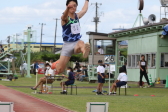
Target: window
107,46
36,46
137,60
153,60
133,60
129,61
164,59
148,59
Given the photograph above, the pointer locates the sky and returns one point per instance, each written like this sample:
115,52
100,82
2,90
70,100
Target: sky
16,15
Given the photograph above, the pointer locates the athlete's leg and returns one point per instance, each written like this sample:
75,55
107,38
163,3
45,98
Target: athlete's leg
146,77
101,88
82,47
141,76
63,85
98,87
113,87
60,67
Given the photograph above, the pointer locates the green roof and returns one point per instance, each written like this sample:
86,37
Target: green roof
139,30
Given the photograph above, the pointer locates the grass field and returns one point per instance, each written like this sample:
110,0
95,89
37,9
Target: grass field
130,103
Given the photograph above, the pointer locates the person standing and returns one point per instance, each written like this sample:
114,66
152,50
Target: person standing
35,67
71,35
143,70
101,77
24,69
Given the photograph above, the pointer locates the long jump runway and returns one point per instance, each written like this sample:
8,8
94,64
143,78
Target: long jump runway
27,103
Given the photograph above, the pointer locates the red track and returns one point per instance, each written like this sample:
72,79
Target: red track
27,103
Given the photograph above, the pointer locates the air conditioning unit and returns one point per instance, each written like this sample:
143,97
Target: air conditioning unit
164,2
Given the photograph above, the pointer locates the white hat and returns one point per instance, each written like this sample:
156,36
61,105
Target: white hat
47,62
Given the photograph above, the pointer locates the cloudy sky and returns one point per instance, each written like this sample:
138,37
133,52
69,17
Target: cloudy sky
15,15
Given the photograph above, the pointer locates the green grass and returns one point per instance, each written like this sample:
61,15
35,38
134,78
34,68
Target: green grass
130,103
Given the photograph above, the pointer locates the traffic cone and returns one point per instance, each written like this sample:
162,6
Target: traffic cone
150,80
166,86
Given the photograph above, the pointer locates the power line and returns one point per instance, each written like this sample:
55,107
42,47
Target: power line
88,15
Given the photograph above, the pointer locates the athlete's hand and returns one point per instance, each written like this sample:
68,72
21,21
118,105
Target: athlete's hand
142,69
70,6
102,77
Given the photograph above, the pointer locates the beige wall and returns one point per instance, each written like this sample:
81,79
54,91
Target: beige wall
36,47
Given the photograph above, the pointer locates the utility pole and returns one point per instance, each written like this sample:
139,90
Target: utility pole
96,19
42,24
8,41
55,39
29,30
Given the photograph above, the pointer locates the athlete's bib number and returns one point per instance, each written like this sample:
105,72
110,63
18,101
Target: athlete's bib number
75,28
143,63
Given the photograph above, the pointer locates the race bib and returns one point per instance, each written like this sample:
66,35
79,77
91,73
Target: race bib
143,63
75,28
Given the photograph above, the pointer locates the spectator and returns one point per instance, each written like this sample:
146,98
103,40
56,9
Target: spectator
78,73
100,50
51,62
1,49
108,71
70,80
35,67
77,65
48,72
125,67
121,80
101,77
83,74
24,69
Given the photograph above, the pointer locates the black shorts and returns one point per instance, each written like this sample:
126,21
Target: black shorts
121,83
69,82
100,79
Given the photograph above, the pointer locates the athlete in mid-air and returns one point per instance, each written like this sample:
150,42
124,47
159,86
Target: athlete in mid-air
71,35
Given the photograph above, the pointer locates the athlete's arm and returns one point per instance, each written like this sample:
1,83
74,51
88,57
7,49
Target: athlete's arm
84,9
64,17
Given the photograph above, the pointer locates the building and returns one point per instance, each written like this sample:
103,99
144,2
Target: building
35,47
144,40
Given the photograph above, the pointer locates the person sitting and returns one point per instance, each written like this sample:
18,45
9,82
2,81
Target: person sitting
70,80
100,50
83,74
48,72
77,75
121,80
